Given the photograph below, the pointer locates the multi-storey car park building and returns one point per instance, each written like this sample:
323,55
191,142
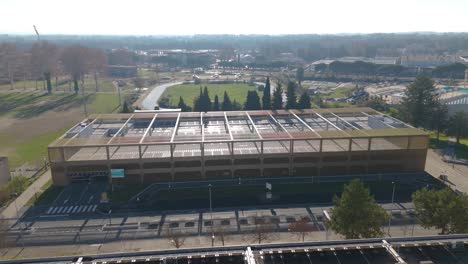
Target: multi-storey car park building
161,147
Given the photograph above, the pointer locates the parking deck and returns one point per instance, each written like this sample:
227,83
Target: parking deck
233,144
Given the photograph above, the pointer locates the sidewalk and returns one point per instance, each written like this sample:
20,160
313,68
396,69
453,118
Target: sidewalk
457,178
190,242
20,203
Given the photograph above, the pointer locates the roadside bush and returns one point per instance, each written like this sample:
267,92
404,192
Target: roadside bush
16,185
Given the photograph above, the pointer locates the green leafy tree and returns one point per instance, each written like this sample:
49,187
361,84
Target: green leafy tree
304,101
266,99
216,103
291,100
318,101
300,75
375,102
126,108
458,125
356,213
443,209
253,101
227,104
439,120
419,101
277,98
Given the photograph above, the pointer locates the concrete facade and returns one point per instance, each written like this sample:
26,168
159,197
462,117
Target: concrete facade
166,147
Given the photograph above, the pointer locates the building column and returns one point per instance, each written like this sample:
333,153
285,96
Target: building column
202,160
172,161
140,161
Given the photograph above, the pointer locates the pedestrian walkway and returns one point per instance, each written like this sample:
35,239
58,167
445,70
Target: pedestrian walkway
16,206
457,178
71,209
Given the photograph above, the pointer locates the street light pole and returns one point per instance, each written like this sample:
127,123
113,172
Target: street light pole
393,198
211,216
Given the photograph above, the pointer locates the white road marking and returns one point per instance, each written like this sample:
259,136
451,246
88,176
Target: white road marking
60,209
50,210
94,208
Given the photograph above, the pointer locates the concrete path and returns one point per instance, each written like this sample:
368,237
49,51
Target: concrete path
20,203
152,98
457,174
190,242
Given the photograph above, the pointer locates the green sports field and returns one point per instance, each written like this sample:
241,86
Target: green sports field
236,91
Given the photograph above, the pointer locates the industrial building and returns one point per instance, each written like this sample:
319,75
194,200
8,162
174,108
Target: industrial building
162,147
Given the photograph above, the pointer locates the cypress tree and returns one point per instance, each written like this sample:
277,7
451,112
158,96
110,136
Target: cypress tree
198,102
291,100
182,105
206,105
253,101
266,99
304,101
216,103
277,98
227,104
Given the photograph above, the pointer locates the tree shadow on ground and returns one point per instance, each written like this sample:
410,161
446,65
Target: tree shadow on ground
60,104
10,102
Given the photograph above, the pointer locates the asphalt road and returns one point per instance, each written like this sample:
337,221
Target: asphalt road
99,228
152,98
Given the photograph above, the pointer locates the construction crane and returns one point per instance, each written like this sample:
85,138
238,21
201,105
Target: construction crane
37,33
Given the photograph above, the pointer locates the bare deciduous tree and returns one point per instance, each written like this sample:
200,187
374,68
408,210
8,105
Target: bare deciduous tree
176,238
97,63
301,228
263,229
74,59
221,234
9,61
44,59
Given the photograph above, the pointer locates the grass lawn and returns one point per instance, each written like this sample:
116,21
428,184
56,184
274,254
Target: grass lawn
105,85
338,93
30,121
236,91
461,150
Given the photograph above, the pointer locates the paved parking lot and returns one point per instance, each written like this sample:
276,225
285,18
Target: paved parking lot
78,198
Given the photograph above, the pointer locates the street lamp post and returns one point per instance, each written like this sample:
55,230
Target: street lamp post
211,216
393,199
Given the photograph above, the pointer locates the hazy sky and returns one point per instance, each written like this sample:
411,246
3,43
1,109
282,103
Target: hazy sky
187,17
